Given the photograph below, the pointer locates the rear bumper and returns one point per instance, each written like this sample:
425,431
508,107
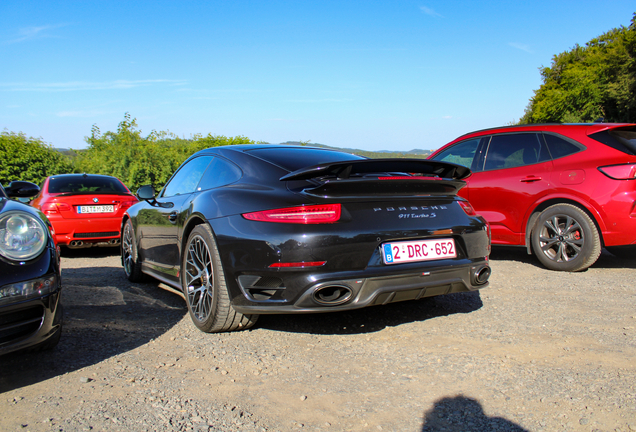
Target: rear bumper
86,230
356,293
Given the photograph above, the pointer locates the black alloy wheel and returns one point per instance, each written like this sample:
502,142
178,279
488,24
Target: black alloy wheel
565,238
204,286
129,259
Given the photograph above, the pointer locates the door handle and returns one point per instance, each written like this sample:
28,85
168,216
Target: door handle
173,216
530,179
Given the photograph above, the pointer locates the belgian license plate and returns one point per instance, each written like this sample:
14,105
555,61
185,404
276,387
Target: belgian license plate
96,209
418,250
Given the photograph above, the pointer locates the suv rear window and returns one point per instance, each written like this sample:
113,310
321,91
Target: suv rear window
86,184
620,139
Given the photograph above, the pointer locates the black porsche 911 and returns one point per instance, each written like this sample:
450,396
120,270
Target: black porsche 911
260,229
30,284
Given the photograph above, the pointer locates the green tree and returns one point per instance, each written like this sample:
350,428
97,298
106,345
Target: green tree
29,159
585,83
138,160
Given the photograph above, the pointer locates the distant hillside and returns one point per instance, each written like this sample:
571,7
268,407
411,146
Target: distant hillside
415,153
68,152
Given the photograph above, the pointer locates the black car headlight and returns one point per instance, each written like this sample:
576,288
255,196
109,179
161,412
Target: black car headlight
22,236
28,289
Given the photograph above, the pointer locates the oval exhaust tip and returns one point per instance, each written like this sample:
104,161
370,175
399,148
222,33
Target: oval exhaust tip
482,275
332,295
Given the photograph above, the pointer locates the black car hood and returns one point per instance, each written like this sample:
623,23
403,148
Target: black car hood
7,204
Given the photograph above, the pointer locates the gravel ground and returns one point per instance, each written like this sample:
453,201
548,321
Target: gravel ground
535,351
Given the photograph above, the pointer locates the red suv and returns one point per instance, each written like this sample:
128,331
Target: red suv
562,190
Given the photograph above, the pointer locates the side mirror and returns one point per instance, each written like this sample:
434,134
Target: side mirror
146,193
22,189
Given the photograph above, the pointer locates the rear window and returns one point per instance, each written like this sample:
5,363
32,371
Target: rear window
293,159
620,139
86,184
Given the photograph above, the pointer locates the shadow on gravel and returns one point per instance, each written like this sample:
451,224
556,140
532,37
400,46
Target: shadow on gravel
373,318
104,315
463,414
618,258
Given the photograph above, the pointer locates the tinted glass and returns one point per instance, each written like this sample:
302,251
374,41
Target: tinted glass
462,153
293,159
185,181
85,184
560,147
512,150
623,139
219,173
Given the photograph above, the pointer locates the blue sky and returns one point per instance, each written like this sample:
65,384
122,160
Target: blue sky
372,75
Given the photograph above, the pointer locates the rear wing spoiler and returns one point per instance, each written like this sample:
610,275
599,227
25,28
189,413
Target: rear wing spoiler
382,177
344,170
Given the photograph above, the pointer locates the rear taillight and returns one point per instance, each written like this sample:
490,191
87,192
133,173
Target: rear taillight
53,208
126,204
468,209
620,172
312,214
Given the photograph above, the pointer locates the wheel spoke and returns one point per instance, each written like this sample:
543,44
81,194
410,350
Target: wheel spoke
561,238
199,278
553,225
127,247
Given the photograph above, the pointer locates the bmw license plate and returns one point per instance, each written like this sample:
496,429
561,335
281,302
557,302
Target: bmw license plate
418,250
96,209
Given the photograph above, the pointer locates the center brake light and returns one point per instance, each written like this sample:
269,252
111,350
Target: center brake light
311,214
409,178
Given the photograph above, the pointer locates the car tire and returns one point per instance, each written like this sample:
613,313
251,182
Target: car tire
129,258
565,238
205,288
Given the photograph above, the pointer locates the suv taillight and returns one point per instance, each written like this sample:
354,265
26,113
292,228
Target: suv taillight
312,214
620,172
